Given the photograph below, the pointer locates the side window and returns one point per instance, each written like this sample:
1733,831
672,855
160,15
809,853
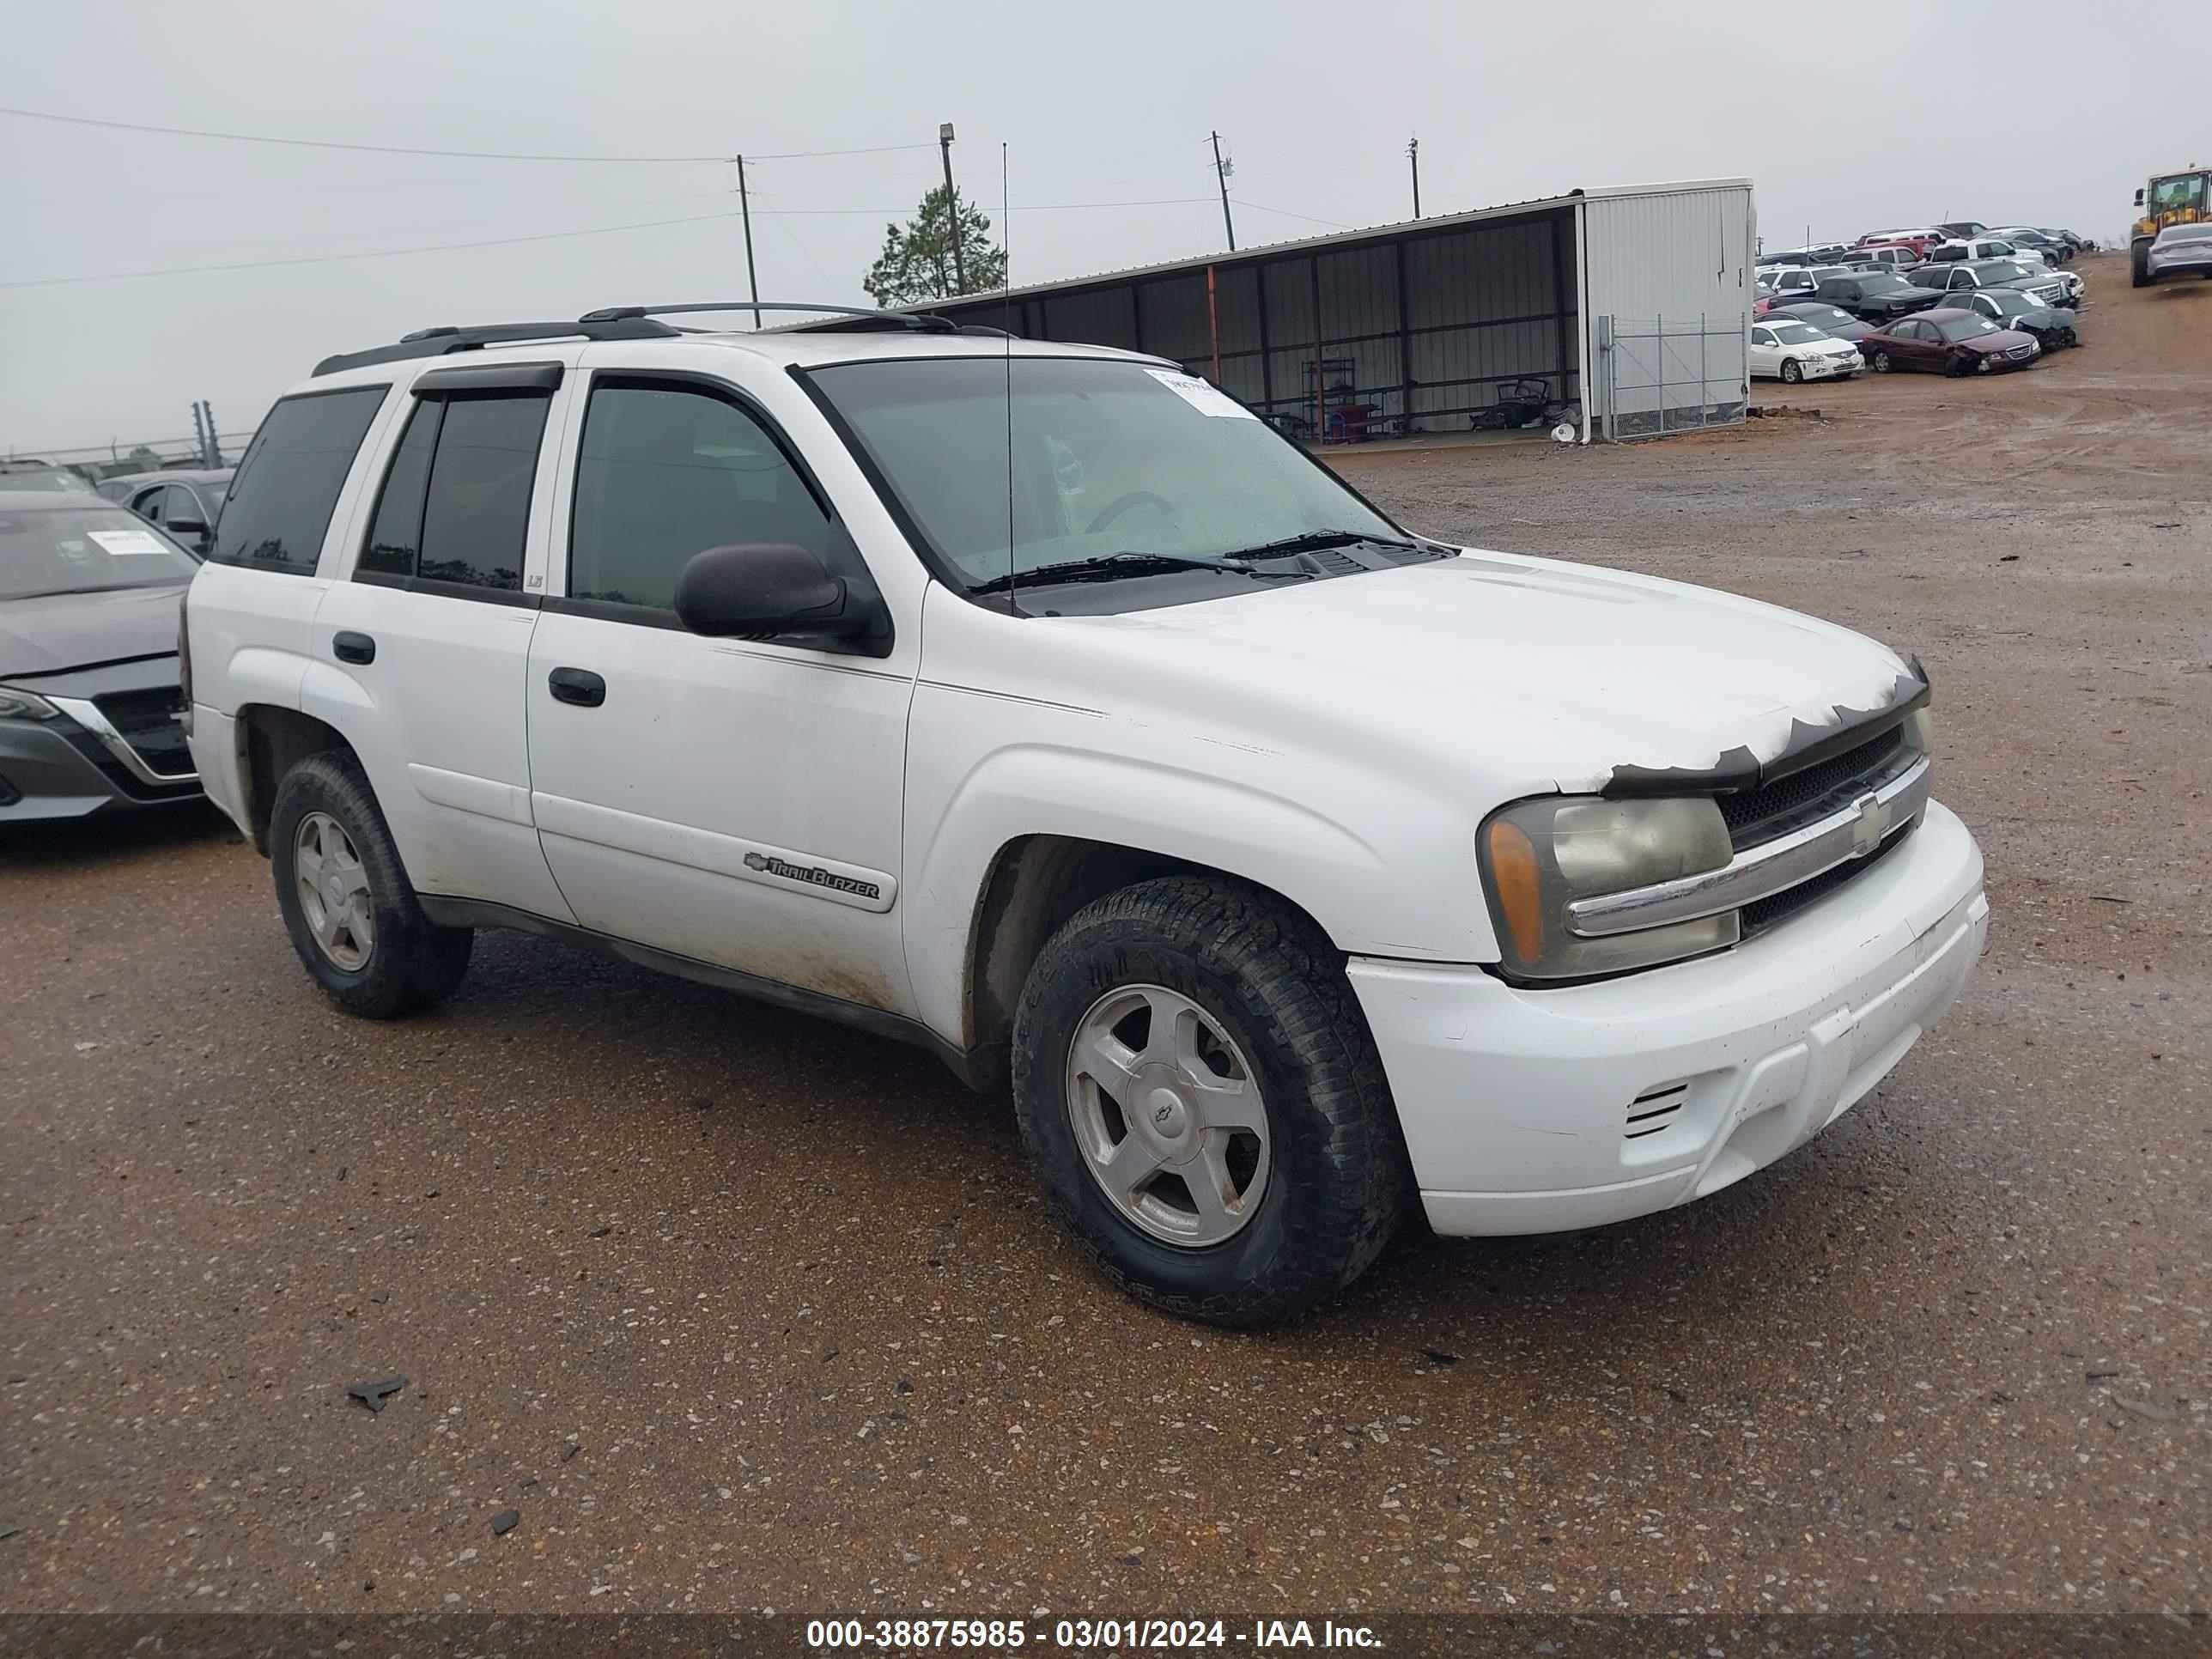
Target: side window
476,516
279,503
395,531
147,503
666,471
455,504
180,504
1762,337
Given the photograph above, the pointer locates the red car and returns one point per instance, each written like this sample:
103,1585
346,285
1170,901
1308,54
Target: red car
1947,341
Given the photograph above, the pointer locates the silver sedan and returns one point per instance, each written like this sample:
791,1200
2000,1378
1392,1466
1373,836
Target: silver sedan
2181,251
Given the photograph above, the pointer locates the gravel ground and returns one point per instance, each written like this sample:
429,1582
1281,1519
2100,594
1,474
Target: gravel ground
737,1309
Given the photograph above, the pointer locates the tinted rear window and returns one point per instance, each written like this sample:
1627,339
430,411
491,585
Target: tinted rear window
282,495
477,515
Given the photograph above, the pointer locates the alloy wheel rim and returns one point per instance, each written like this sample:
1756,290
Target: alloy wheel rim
333,890
1168,1114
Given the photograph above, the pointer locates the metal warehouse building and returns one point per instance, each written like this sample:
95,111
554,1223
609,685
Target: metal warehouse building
1630,307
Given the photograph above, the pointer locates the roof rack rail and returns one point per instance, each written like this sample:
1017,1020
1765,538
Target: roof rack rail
437,342
628,323
844,316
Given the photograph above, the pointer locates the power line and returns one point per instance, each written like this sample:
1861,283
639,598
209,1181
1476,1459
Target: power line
1287,214
372,253
1026,207
447,154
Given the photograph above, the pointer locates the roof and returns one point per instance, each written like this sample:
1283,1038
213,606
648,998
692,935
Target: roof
1350,238
173,475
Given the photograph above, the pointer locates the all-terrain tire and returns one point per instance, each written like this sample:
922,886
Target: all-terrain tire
411,962
1265,974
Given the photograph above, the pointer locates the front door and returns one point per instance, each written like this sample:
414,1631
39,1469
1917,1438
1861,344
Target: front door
734,802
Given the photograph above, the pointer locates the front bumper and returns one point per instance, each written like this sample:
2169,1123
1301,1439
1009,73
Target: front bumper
84,763
1536,1111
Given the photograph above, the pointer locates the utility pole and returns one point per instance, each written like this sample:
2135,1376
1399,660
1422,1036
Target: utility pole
1221,172
1413,154
953,206
745,212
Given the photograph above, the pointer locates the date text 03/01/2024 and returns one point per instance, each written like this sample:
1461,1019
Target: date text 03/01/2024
905,1635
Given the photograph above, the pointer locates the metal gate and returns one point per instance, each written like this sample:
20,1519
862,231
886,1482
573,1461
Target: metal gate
1658,375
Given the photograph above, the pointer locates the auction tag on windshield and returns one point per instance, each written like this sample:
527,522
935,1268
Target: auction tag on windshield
1201,395
131,543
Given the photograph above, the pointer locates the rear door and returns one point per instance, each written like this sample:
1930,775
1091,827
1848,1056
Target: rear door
421,645
734,802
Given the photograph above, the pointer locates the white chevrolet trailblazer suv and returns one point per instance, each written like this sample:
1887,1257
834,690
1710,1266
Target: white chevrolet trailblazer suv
1038,704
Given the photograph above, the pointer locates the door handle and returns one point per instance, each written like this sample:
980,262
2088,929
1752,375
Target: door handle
578,685
350,647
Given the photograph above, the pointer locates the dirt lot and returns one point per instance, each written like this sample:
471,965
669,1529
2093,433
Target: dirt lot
739,1309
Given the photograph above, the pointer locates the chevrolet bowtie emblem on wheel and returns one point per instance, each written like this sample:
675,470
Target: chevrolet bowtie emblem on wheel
1872,825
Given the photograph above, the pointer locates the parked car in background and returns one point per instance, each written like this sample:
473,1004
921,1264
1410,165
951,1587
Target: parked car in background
90,690
2008,308
1918,239
2180,250
1948,341
1886,256
1796,256
1801,283
1984,247
2043,285
1875,296
1785,349
1831,320
2054,252
1957,229
28,474
184,503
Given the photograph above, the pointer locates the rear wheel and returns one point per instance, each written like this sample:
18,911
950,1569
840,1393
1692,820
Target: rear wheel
1203,1103
346,902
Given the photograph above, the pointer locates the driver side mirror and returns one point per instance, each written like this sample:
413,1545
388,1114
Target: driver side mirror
187,530
773,590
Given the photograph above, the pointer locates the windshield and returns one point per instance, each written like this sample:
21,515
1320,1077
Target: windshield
2009,302
1881,284
1827,316
1797,334
80,550
1107,457
45,477
2002,270
1965,328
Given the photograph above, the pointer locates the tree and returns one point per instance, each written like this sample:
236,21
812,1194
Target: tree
916,263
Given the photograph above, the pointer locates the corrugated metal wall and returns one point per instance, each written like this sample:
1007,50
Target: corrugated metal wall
1418,330
1674,269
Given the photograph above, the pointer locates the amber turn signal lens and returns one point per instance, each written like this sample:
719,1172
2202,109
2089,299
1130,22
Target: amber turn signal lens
1520,885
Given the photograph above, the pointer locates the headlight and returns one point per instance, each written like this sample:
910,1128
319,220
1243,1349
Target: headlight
16,705
1539,856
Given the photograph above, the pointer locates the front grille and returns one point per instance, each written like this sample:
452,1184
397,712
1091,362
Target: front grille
148,722
1763,914
1755,816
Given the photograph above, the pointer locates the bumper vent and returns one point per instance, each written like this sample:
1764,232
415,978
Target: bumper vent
10,794
148,722
1655,1109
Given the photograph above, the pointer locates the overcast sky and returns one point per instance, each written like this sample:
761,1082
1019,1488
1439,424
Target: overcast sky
1848,117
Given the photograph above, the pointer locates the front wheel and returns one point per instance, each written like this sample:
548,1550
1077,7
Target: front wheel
2139,264
1203,1103
1792,372
346,900
1880,361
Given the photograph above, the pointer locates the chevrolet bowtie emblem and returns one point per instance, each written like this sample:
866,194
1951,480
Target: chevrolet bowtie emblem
1873,824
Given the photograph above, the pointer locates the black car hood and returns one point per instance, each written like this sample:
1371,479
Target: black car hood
62,631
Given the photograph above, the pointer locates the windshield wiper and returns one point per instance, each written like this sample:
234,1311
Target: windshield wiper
1106,566
1313,541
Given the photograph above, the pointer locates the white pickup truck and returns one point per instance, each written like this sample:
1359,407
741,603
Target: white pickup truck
1036,703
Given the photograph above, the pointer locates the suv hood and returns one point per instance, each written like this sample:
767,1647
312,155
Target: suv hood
62,631
1540,673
